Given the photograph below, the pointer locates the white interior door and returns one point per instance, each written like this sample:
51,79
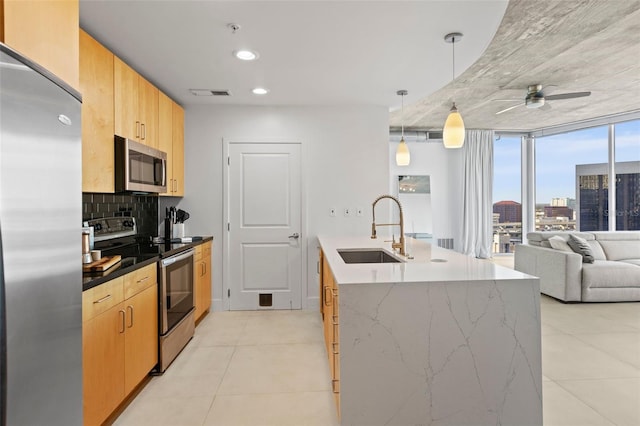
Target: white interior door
265,248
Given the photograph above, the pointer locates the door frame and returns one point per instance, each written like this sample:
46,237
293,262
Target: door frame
226,261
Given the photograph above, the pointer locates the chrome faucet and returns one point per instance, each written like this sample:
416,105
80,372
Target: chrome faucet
394,245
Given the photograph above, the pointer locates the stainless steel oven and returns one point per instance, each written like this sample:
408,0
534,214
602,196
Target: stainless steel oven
177,321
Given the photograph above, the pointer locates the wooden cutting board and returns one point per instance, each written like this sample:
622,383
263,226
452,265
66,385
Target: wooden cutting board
101,265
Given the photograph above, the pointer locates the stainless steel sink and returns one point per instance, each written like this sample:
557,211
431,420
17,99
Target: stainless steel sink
366,256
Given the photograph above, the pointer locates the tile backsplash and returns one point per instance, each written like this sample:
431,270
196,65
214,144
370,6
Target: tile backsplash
143,207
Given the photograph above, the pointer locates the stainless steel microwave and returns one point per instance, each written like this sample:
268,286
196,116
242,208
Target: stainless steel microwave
139,168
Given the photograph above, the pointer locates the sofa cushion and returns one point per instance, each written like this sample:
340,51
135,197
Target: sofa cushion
631,261
541,239
606,273
580,246
559,243
620,250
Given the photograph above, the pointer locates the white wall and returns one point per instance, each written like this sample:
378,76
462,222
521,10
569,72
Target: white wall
445,168
345,164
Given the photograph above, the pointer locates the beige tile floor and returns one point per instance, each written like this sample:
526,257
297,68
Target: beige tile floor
270,368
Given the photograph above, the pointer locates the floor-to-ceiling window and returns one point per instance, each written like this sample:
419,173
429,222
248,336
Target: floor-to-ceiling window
572,179
507,199
568,194
627,167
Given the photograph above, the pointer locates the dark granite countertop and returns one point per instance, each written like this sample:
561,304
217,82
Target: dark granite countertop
135,258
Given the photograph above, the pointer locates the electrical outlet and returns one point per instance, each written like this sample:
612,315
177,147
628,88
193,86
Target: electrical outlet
347,212
359,211
332,212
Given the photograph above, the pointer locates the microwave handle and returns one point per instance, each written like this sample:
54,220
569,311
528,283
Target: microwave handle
164,172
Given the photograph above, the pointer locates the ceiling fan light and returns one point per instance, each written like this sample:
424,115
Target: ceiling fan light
403,157
453,132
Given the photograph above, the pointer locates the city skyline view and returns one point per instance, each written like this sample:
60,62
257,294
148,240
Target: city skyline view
556,158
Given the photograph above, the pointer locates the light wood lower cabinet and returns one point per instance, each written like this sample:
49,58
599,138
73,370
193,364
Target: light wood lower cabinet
329,307
119,340
202,279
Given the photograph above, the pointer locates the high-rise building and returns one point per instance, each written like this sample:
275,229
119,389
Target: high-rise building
558,211
594,196
510,211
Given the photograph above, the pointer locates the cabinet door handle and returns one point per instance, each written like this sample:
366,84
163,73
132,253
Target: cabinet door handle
122,315
334,320
137,129
108,296
175,183
333,346
130,309
142,279
334,386
326,299
144,131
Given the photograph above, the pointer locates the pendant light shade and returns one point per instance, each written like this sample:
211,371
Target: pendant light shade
453,132
403,156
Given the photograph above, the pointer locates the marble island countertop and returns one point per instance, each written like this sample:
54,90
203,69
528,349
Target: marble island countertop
432,343
429,264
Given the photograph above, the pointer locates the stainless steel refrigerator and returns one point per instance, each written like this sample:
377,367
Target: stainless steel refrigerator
40,235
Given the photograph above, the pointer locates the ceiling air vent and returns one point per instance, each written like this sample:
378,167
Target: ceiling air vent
209,92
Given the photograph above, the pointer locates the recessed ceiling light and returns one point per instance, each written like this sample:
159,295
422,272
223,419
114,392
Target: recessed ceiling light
246,55
260,91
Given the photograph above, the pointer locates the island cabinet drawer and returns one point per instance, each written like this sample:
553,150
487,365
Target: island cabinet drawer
139,280
100,299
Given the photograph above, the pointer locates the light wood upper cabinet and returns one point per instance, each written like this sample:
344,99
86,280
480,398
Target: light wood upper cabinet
148,111
96,85
178,150
136,105
165,135
127,121
171,137
45,32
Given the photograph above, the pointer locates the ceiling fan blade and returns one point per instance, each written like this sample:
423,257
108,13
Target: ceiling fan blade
510,108
567,96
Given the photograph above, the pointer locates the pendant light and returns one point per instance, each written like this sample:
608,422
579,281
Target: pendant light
403,157
453,133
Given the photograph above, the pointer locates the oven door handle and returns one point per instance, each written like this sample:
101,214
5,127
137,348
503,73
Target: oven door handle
168,261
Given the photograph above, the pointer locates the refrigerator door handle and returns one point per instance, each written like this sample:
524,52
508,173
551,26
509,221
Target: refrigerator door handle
3,343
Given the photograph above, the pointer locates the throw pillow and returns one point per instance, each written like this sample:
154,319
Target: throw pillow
558,243
580,246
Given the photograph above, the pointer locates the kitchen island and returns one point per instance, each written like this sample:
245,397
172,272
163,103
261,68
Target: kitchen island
440,339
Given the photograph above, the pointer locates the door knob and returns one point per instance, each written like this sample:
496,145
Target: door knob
296,236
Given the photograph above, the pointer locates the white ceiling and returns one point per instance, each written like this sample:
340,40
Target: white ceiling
361,52
311,52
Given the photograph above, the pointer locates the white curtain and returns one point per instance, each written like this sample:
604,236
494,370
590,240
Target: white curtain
477,185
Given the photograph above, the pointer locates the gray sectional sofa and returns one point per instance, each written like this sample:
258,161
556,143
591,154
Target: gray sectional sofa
614,276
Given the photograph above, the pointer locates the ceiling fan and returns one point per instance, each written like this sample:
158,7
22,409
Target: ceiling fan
536,98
